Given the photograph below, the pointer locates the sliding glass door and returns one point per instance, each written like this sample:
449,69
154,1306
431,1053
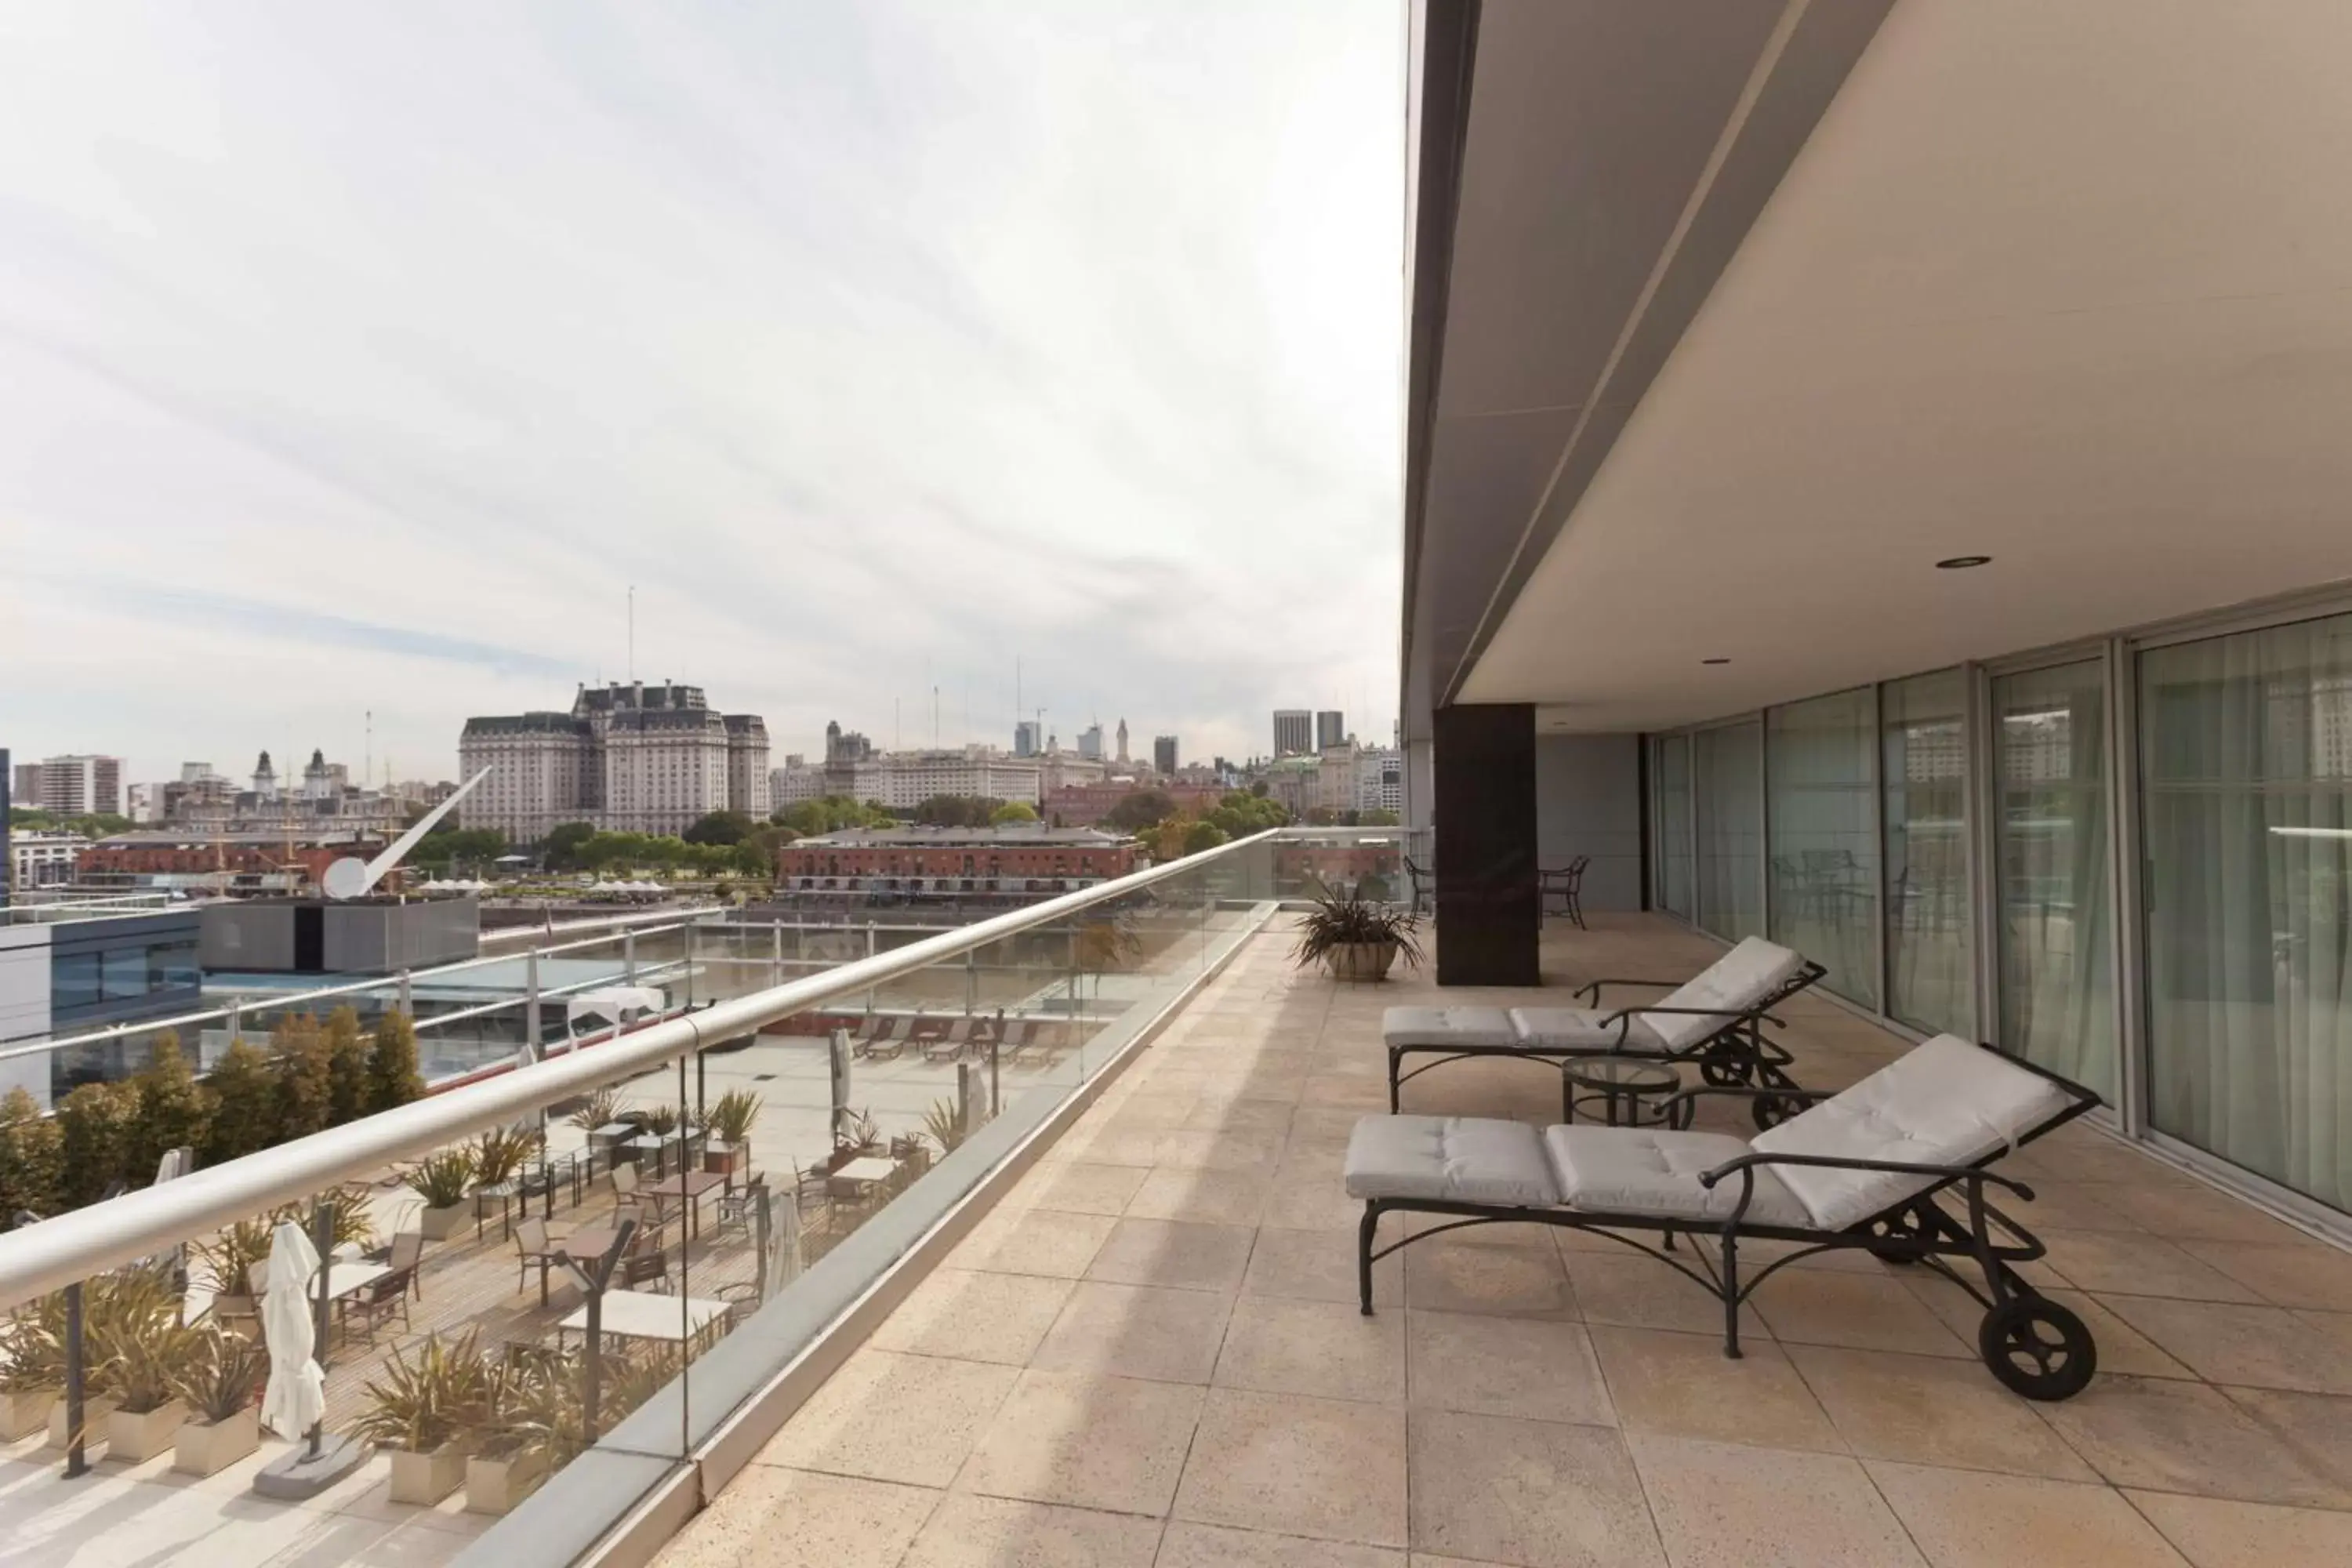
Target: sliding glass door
1727,767
2051,835
2246,775
1674,824
1824,843
1923,756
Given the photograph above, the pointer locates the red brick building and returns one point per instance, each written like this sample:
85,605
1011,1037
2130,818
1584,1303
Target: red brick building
1083,806
1014,858
155,853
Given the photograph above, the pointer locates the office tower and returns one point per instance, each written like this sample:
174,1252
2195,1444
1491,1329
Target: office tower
1163,753
1294,732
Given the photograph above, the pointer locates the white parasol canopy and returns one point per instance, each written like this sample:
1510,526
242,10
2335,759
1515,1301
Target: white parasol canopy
297,1395
784,1245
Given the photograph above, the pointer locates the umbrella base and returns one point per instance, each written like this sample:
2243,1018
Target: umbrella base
296,1475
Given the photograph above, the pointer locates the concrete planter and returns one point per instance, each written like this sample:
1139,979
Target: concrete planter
136,1436
426,1479
207,1449
94,1414
1360,961
440,1225
22,1415
496,1486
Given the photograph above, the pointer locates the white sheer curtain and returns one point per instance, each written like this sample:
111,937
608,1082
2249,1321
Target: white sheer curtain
2057,980
2246,746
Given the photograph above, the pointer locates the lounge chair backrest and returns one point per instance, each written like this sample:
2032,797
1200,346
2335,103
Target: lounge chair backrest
1738,981
1945,1102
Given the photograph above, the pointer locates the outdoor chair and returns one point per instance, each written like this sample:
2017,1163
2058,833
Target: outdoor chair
1423,884
812,1190
647,1266
1893,1165
737,1209
624,1182
881,1042
1713,1021
534,1250
934,1038
406,1251
1567,885
376,1302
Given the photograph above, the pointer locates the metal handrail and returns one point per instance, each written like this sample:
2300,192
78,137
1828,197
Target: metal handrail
37,1260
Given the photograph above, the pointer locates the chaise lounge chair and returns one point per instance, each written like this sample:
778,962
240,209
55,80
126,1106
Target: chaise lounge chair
1714,1020
1895,1165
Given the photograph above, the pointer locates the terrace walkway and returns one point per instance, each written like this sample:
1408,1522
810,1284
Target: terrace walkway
1150,1353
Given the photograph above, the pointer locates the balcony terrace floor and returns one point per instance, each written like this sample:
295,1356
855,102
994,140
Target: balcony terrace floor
1150,1353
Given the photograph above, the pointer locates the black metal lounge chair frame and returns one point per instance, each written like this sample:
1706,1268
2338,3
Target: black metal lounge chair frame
1736,1055
2034,1345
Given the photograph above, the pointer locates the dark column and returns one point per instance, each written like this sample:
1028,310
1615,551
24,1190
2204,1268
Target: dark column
1488,917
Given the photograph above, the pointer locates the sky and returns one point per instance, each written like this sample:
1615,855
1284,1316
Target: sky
361,358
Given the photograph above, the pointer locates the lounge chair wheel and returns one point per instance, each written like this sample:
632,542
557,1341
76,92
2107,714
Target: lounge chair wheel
1722,1074
1768,1111
1904,1227
2037,1348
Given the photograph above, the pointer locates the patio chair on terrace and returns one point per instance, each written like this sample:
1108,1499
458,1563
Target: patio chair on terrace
533,1248
403,1256
377,1302
1713,1021
935,1037
1895,1165
881,1042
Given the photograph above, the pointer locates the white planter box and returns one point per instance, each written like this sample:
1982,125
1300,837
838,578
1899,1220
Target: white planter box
136,1437
496,1486
426,1479
439,1224
94,1414
205,1451
22,1415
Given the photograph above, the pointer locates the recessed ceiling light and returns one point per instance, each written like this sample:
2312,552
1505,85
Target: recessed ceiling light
1962,563
1715,661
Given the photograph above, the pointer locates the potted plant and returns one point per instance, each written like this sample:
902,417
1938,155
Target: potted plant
32,1372
441,1179
144,1359
221,1385
229,1259
418,1412
533,1418
1355,940
500,1154
126,1302
729,1124
859,1136
597,1109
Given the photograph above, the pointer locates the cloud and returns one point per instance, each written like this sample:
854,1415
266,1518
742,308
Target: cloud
361,360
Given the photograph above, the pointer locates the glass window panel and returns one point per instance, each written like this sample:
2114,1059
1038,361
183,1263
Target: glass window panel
1728,773
1930,980
1674,824
2246,774
74,980
1824,847
126,974
2057,988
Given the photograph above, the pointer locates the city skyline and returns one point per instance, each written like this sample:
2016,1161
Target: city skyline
820,331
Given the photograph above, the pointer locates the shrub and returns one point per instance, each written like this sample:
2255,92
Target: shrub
393,1079
305,1073
597,1110
174,1109
99,1126
229,1255
421,1406
224,1374
502,1153
32,1158
244,1095
441,1179
729,1121
347,1068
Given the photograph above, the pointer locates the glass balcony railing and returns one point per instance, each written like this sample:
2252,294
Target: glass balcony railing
548,1289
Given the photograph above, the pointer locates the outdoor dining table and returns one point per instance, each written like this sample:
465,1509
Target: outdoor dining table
687,1188
865,1172
657,1145
648,1315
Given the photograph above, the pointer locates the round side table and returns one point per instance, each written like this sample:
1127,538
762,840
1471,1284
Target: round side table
1622,1087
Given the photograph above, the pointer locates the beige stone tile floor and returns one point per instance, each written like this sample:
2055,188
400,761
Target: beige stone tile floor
1150,1353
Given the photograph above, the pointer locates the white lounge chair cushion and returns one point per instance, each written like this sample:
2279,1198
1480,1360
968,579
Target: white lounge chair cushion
1448,1027
1735,983
1579,1028
1655,1171
1461,1159
1945,1102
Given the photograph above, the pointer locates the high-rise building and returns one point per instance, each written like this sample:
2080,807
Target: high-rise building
1163,753
5,779
72,785
1380,779
1294,732
1090,742
633,758
1026,742
1330,729
1122,742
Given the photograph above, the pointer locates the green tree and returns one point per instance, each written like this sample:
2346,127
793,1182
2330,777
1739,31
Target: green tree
347,1059
1321,816
174,1109
305,1073
564,844
1377,816
98,1125
243,1097
392,1075
1012,811
720,827
1200,835
1139,810
32,1158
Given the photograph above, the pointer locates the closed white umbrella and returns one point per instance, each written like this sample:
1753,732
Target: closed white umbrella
784,1249
296,1396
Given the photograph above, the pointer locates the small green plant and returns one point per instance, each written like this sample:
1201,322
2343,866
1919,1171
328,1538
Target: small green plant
858,1131
502,1153
943,1126
223,1375
229,1255
731,1120
597,1110
424,1405
142,1359
442,1178
659,1120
